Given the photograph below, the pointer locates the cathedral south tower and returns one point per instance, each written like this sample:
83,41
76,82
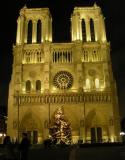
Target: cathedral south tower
76,77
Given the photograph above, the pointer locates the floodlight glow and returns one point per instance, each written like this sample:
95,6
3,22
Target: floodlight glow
122,133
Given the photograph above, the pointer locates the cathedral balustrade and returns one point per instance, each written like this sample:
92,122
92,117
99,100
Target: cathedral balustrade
32,54
62,53
93,54
71,98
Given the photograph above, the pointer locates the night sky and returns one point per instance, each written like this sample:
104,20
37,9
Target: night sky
61,10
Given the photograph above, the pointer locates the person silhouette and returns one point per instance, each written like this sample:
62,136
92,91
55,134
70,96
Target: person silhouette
8,149
24,147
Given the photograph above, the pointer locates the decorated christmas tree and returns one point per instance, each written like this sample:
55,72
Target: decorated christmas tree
60,130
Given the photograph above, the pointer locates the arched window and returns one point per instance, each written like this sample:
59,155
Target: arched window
39,25
97,83
83,31
28,86
87,83
92,31
38,85
29,36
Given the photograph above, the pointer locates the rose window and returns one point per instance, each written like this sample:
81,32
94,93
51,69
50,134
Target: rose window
63,80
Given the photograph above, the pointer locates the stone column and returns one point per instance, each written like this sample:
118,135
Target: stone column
77,26
103,32
80,77
72,27
96,29
88,35
25,31
43,30
80,29
21,29
111,130
47,67
47,28
34,31
50,30
18,31
46,78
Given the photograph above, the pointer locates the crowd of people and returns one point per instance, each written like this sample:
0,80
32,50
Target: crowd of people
16,151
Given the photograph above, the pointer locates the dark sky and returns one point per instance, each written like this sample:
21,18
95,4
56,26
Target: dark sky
113,11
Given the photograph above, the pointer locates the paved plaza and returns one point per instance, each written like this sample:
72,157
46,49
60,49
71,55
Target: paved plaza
75,153
84,153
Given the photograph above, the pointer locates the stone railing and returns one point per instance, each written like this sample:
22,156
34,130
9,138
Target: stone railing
71,98
93,53
33,54
62,53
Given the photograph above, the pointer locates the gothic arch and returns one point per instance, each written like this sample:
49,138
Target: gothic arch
95,118
96,126
30,122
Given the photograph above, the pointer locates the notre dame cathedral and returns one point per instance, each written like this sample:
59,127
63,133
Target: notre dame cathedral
76,76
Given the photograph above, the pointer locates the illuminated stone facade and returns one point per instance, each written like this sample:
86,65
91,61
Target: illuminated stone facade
75,75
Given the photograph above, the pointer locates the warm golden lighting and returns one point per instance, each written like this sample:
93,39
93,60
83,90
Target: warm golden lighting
42,90
97,83
103,39
74,75
88,38
23,89
53,90
75,139
87,83
112,139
